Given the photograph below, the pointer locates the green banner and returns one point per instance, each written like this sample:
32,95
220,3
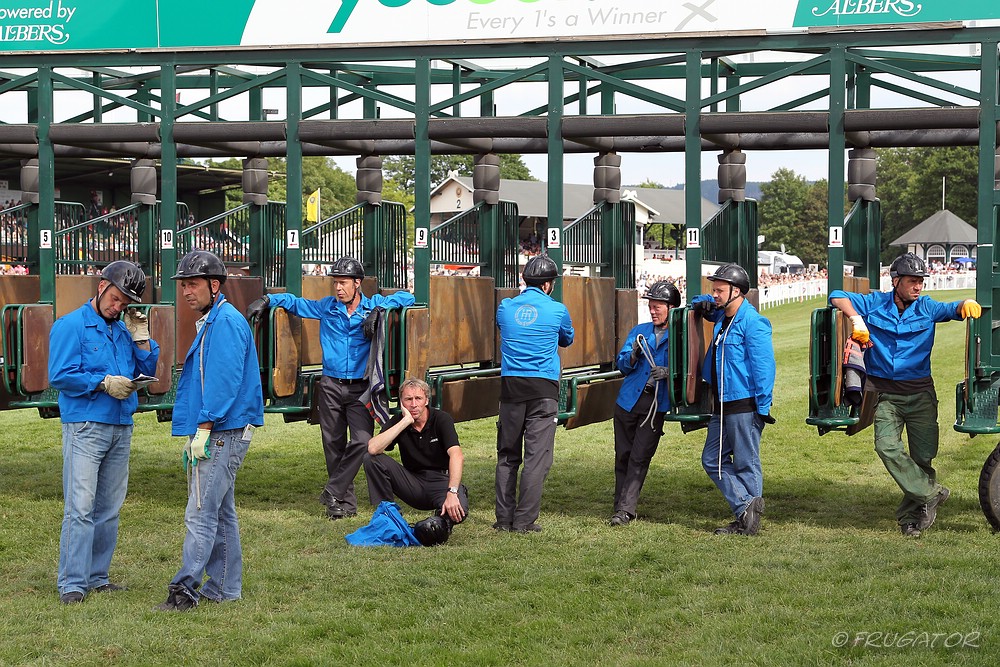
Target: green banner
817,13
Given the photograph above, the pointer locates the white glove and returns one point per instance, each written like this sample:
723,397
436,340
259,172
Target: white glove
118,386
137,324
860,332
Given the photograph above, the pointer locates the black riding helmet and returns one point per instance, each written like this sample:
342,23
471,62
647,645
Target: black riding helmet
735,275
127,277
200,264
908,264
433,530
540,269
348,267
664,290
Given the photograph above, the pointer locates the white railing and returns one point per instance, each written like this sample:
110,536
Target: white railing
801,290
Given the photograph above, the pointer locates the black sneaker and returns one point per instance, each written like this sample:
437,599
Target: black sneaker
178,599
109,587
910,530
621,518
336,510
930,509
530,528
73,597
751,517
734,528
501,527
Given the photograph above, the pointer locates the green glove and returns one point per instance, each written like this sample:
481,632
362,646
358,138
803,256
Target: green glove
196,448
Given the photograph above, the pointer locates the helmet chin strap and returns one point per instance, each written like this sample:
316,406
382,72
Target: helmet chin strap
732,297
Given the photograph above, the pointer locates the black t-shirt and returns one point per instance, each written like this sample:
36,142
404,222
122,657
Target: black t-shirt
426,449
520,389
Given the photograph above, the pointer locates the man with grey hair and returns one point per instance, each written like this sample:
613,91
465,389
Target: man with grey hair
430,476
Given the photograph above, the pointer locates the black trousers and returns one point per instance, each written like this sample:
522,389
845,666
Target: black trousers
423,490
634,449
340,411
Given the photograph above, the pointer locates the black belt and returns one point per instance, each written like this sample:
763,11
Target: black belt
347,380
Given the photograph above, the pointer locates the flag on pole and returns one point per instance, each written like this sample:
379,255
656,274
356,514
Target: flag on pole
312,207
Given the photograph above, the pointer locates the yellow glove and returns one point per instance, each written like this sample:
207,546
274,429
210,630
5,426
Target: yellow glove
860,332
197,449
137,324
970,308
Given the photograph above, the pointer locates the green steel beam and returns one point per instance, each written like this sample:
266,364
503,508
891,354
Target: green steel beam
46,189
878,66
911,93
985,212
293,183
554,188
422,184
692,175
835,192
168,187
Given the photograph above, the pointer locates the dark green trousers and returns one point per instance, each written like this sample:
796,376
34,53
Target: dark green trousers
909,465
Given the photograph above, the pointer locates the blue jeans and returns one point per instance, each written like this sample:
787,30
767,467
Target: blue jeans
95,479
741,479
212,541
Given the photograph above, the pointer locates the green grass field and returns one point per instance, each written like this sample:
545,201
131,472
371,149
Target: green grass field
828,572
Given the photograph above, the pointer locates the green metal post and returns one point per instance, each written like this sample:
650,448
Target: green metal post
985,210
293,194
692,173
213,79
582,107
422,183
98,102
168,187
556,77
147,243
45,223
490,254
835,221
610,214
334,98
372,239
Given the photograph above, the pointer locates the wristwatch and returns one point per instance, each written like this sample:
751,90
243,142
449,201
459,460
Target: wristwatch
453,489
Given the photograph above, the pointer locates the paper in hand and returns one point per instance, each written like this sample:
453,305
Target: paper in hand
141,380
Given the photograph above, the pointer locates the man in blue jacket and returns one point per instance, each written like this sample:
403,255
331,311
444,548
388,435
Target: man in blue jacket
533,326
219,403
93,358
901,324
642,400
739,367
345,329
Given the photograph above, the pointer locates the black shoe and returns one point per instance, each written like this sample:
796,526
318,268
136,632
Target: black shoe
178,599
336,510
502,527
734,528
910,530
109,588
929,511
73,597
621,518
530,528
325,498
751,517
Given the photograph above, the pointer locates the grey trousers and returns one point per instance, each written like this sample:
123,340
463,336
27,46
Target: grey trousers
533,426
423,490
340,410
635,446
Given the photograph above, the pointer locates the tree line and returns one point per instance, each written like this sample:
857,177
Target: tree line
909,185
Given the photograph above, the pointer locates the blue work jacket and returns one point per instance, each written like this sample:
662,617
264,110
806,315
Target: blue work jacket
83,348
902,341
231,397
533,326
637,375
744,362
345,348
